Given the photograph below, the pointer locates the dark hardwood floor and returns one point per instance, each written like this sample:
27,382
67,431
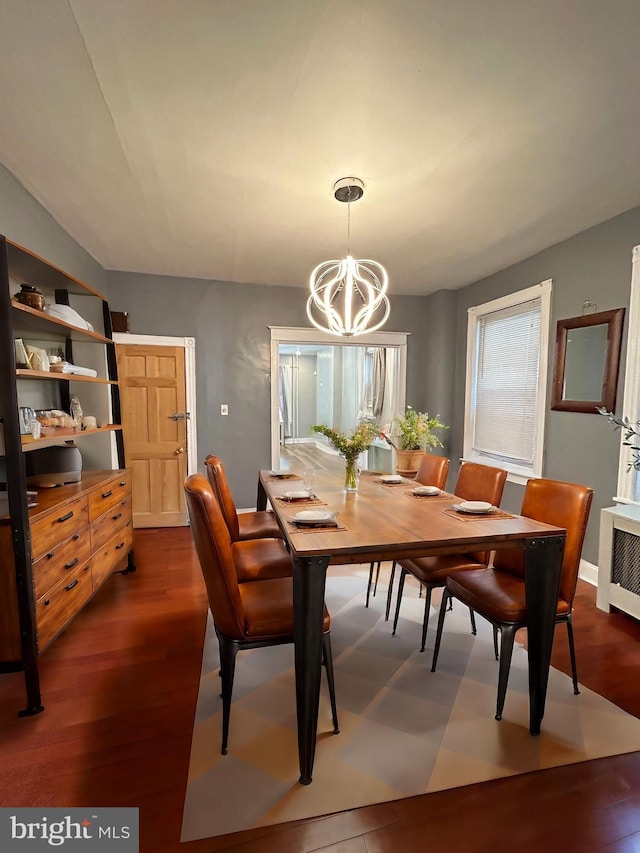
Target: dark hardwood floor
120,685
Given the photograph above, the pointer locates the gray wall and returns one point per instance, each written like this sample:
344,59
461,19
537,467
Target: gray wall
23,220
594,265
230,324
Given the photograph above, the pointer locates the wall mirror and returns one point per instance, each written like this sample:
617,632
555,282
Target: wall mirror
587,360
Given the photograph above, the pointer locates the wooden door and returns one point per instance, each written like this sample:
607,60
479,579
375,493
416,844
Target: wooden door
153,399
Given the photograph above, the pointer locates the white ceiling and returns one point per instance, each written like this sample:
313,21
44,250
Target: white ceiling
203,137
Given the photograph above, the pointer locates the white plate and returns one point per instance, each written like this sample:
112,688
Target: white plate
427,490
311,515
296,496
391,478
475,506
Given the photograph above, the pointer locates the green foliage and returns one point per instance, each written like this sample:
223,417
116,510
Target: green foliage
631,436
414,430
353,445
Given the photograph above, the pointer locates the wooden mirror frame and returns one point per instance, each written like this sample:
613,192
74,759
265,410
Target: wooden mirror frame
613,320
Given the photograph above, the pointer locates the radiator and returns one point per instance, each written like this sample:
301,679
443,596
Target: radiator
626,561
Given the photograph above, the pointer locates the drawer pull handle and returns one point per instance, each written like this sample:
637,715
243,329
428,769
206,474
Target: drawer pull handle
51,554
47,602
122,483
117,516
71,585
121,545
107,494
66,517
71,563
75,537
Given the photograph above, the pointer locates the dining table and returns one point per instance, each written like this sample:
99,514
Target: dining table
387,521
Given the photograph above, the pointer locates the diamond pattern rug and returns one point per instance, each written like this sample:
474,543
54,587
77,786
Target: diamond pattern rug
403,729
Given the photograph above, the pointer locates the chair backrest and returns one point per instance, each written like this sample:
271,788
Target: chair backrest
480,483
563,505
220,486
433,471
213,546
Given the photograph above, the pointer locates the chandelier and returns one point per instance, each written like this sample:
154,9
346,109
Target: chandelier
348,297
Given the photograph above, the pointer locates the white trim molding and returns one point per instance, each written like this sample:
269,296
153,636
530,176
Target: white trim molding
189,345
628,480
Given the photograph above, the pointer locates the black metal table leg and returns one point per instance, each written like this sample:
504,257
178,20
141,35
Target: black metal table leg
261,500
543,561
309,575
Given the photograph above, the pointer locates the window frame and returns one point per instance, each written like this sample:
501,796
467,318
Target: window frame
515,473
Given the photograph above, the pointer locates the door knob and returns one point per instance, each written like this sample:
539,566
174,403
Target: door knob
179,451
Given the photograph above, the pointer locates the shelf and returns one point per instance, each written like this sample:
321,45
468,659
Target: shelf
55,437
34,322
69,377
28,267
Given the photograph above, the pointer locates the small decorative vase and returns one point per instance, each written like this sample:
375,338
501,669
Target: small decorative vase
351,475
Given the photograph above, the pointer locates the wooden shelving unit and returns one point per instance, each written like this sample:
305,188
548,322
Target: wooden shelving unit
55,555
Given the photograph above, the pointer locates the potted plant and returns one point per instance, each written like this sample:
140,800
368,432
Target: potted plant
412,434
350,447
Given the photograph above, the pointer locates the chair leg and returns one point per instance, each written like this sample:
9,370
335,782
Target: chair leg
446,595
375,583
495,641
507,636
369,583
403,573
228,652
425,620
472,616
327,660
572,653
390,591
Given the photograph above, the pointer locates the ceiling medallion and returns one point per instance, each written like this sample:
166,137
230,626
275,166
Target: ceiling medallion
348,297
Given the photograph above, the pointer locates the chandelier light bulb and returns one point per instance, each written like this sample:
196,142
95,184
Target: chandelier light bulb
348,297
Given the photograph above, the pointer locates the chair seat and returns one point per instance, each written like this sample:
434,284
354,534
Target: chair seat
268,608
261,558
499,596
435,570
259,525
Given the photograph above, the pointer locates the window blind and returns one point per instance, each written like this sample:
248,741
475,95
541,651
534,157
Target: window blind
506,382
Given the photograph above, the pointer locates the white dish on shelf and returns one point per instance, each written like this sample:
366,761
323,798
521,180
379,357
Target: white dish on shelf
391,478
312,516
477,507
432,491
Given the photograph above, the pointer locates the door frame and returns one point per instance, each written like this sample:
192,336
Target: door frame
189,346
306,335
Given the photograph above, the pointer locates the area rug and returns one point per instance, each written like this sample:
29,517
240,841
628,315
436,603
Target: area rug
403,729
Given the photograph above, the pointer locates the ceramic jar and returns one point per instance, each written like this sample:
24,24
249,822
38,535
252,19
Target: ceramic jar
31,296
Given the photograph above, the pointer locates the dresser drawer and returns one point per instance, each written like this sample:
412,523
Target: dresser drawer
109,494
61,603
59,562
57,526
112,556
108,523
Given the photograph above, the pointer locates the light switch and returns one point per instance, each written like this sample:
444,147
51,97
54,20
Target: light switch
224,409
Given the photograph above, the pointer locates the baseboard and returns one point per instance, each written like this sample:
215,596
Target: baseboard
588,572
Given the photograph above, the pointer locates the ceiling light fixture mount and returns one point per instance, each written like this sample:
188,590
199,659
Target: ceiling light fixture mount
348,297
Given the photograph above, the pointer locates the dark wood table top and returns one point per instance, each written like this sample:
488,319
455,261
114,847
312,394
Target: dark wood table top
388,522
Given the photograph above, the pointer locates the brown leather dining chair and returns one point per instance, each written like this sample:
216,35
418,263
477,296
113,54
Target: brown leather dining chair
432,471
474,482
261,524
246,615
498,593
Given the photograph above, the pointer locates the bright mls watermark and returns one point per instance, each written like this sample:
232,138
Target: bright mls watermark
78,829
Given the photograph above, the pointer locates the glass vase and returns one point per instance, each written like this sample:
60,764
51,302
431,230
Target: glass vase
351,476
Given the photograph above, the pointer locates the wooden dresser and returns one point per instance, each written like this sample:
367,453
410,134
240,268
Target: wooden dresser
80,534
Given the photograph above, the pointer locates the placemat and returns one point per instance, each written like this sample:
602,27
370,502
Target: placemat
285,477
404,482
314,501
445,496
317,528
470,516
